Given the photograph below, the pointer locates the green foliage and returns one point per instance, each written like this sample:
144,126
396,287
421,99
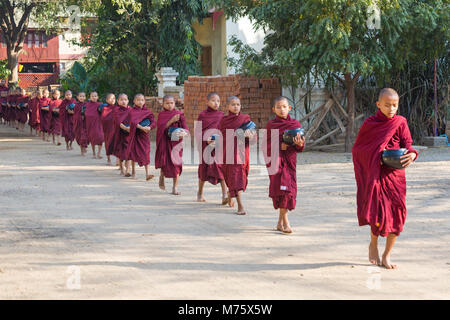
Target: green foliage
130,43
4,71
331,38
78,80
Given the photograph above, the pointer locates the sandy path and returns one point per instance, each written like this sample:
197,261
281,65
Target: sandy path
128,239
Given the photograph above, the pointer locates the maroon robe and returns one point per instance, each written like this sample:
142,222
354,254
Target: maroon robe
107,118
34,120
283,183
94,124
79,126
55,123
22,113
210,119
121,137
139,141
235,173
170,167
67,120
45,116
381,190
12,101
2,106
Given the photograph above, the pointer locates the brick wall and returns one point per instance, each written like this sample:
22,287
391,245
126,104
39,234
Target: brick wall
256,95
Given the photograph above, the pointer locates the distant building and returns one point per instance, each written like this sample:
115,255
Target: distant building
45,57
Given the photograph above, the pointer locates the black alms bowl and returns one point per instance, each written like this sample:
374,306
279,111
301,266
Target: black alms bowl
391,158
289,135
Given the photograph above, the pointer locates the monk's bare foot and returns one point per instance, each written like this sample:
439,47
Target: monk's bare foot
127,175
386,262
224,200
99,157
200,198
58,144
94,157
162,185
286,229
279,227
374,256
122,173
133,176
149,177
241,213
175,192
230,201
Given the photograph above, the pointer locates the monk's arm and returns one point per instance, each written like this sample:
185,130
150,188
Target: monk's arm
145,129
406,140
123,127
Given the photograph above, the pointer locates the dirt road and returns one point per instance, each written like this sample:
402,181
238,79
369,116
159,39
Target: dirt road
71,228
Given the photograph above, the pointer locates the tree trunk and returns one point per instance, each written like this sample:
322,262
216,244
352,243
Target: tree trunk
350,93
13,65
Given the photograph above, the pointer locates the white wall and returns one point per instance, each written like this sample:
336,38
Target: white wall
243,30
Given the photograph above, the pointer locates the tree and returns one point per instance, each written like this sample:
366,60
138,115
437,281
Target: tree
15,16
128,46
334,37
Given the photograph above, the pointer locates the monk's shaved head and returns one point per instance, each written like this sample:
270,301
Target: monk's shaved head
388,92
280,98
229,99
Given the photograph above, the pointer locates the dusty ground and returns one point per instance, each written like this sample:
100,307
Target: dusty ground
64,216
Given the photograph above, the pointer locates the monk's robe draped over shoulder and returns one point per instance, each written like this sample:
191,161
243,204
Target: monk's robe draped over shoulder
210,119
12,101
79,126
55,124
139,141
235,174
381,190
34,116
45,116
107,118
94,123
22,113
121,137
67,130
164,145
283,184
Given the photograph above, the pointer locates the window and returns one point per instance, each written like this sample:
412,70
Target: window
38,68
36,39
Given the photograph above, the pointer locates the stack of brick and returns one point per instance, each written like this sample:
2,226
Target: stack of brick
256,95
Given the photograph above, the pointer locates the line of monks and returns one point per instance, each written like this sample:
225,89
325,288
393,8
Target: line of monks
124,130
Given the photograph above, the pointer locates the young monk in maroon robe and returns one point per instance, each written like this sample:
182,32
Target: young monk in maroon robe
209,169
79,124
139,139
94,125
45,115
3,100
12,100
55,124
34,118
169,152
108,125
121,137
236,164
67,130
282,163
22,108
381,189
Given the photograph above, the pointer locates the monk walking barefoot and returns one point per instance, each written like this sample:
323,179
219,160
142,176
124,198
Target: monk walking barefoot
141,121
210,169
281,161
169,147
381,195
236,153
